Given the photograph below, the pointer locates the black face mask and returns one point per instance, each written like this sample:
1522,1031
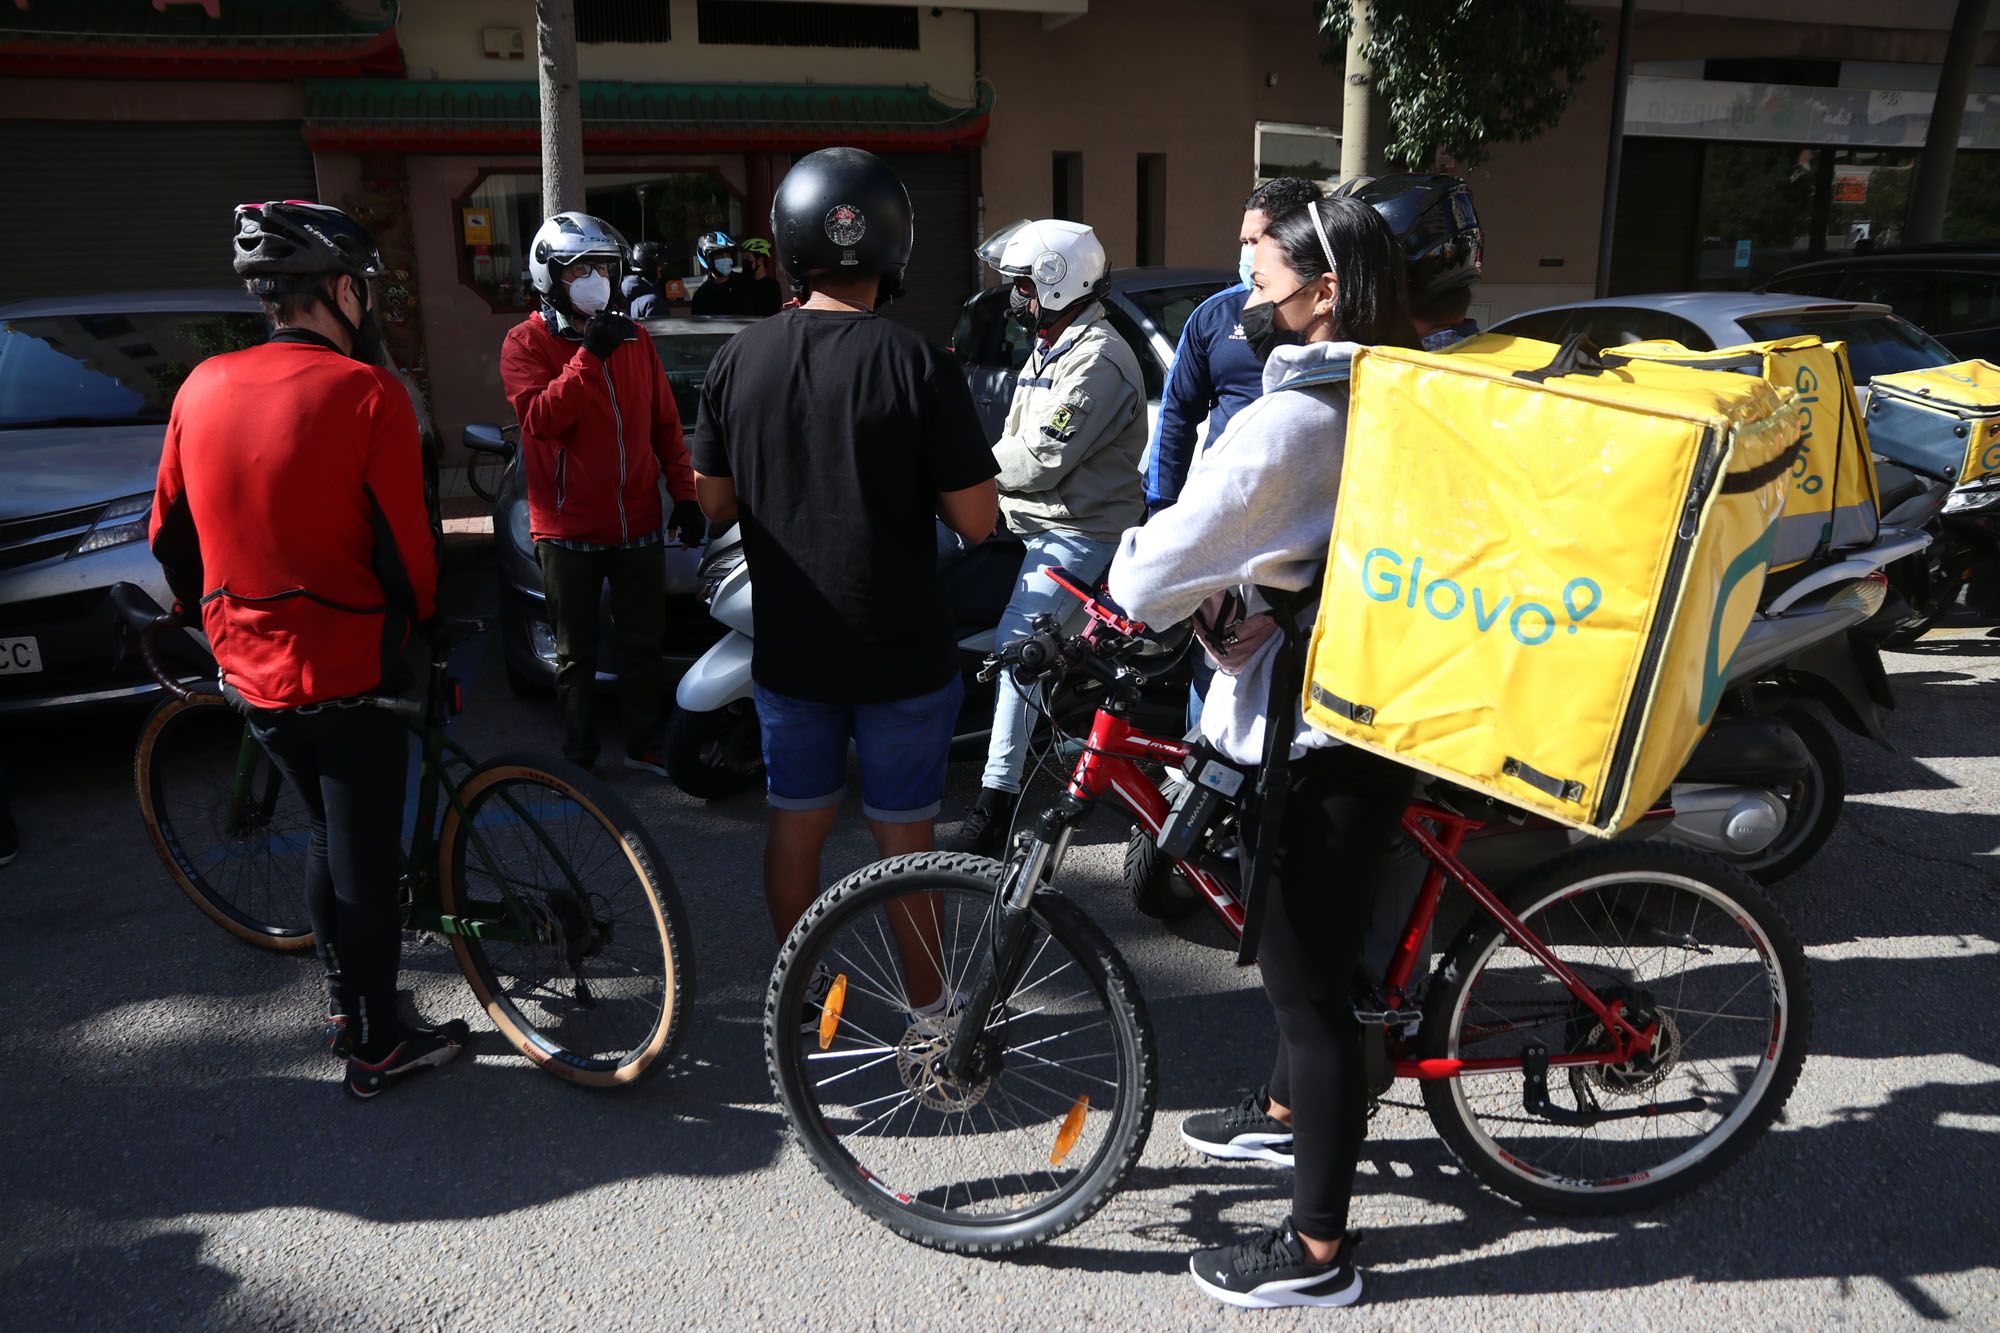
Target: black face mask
1020,309
1261,331
365,338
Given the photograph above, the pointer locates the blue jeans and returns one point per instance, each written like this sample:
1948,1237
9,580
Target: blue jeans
1013,724
903,748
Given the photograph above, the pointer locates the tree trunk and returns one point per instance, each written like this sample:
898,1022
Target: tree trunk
1933,184
562,106
1364,115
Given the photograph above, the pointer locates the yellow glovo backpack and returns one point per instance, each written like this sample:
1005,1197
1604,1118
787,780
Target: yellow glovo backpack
1541,566
1832,501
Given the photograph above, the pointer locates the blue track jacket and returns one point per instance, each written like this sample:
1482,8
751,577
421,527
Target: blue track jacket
1214,375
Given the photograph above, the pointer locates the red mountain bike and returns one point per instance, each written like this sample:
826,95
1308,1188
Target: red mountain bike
963,1053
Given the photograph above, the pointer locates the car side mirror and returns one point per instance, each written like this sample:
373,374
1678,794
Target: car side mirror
486,438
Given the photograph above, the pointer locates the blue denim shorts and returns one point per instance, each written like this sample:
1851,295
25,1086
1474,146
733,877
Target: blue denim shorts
903,747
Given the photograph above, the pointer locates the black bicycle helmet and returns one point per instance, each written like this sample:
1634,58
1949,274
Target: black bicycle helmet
841,210
294,238
1437,225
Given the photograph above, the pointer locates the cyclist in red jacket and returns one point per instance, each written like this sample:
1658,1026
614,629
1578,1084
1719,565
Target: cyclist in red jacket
598,429
290,511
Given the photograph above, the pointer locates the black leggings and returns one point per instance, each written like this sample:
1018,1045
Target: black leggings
347,765
1341,832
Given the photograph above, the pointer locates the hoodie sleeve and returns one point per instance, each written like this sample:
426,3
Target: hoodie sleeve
547,404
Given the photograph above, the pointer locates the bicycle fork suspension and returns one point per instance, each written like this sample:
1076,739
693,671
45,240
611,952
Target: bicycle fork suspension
972,1057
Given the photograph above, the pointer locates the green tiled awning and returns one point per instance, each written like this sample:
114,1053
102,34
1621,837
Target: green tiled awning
437,116
243,39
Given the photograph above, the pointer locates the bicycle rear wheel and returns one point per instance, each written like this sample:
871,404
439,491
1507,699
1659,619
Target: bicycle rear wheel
583,962
230,831
1684,940
1007,1160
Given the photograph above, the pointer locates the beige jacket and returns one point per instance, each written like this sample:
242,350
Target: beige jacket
1069,458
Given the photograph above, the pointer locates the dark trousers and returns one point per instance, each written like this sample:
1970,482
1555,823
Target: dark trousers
572,581
1341,833
347,765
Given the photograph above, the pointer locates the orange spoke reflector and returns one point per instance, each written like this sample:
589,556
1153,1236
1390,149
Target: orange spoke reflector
1071,1131
829,1013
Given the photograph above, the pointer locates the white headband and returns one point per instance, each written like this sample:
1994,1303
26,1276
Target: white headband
1312,207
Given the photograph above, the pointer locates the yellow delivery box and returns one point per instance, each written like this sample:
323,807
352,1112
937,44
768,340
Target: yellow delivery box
1832,501
1943,421
1541,567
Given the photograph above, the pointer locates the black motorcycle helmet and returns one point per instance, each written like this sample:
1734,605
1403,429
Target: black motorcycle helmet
841,210
647,256
1433,218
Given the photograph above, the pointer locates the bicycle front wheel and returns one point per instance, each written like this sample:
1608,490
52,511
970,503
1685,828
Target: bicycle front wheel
1684,941
230,831
868,993
565,921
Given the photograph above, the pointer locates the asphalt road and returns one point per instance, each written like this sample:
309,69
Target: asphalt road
179,1154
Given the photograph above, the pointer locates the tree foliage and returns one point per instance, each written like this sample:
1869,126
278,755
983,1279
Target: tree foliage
1461,74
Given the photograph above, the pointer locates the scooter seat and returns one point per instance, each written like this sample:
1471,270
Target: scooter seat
1898,484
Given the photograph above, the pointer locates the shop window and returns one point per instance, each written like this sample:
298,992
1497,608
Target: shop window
623,21
1871,199
1756,213
1311,151
498,217
1152,231
1066,186
796,23
1972,209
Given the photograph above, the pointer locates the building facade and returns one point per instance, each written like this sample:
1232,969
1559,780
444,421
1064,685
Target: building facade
1756,132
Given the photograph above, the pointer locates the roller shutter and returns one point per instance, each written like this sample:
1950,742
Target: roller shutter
942,270
128,205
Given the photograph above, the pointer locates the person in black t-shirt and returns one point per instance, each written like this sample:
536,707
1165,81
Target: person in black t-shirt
837,439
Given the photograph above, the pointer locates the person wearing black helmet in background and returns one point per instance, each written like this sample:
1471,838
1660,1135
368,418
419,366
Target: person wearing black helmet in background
724,289
1443,248
641,287
837,439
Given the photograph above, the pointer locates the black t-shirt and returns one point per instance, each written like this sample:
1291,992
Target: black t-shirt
733,297
766,297
840,430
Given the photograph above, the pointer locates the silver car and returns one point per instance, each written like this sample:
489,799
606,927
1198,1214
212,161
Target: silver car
85,386
1879,342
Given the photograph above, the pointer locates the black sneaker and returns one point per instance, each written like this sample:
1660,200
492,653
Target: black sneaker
1244,1132
984,831
1272,1270
420,1048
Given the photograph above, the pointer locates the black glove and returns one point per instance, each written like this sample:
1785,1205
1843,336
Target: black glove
605,331
688,522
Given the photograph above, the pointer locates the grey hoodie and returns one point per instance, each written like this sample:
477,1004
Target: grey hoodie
1257,509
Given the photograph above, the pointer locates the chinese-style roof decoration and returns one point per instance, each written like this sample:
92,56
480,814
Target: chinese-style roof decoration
213,39
431,116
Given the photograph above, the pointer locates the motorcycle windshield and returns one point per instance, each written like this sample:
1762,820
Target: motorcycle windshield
995,246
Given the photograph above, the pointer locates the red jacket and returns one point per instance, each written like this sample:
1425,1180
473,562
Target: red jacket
595,434
290,508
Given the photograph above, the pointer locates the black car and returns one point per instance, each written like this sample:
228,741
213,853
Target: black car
1147,306
527,636
1951,292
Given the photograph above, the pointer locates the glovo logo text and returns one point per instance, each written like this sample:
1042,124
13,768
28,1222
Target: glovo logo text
1990,460
1386,577
1803,476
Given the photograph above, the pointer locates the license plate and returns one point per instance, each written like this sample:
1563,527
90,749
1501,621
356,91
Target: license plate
20,657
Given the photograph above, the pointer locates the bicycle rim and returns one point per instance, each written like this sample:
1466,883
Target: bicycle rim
995,1162
585,974
230,831
1676,949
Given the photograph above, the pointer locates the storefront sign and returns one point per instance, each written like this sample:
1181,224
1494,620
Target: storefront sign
478,226
1850,189
1786,113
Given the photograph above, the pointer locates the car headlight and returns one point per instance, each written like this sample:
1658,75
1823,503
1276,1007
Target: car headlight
122,521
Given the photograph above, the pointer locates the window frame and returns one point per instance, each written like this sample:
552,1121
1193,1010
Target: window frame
616,167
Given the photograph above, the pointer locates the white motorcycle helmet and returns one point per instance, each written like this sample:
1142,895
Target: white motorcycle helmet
1064,260
568,237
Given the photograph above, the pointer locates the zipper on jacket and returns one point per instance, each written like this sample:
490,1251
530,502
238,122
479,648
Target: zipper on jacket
1656,644
562,458
618,425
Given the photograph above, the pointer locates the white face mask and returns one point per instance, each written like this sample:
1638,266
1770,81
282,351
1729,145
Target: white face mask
590,294
1244,263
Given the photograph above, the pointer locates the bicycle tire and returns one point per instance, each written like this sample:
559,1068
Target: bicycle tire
1136,1077
1774,1055
532,1015
252,883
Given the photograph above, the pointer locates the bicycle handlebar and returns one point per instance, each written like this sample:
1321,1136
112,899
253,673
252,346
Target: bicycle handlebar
146,621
